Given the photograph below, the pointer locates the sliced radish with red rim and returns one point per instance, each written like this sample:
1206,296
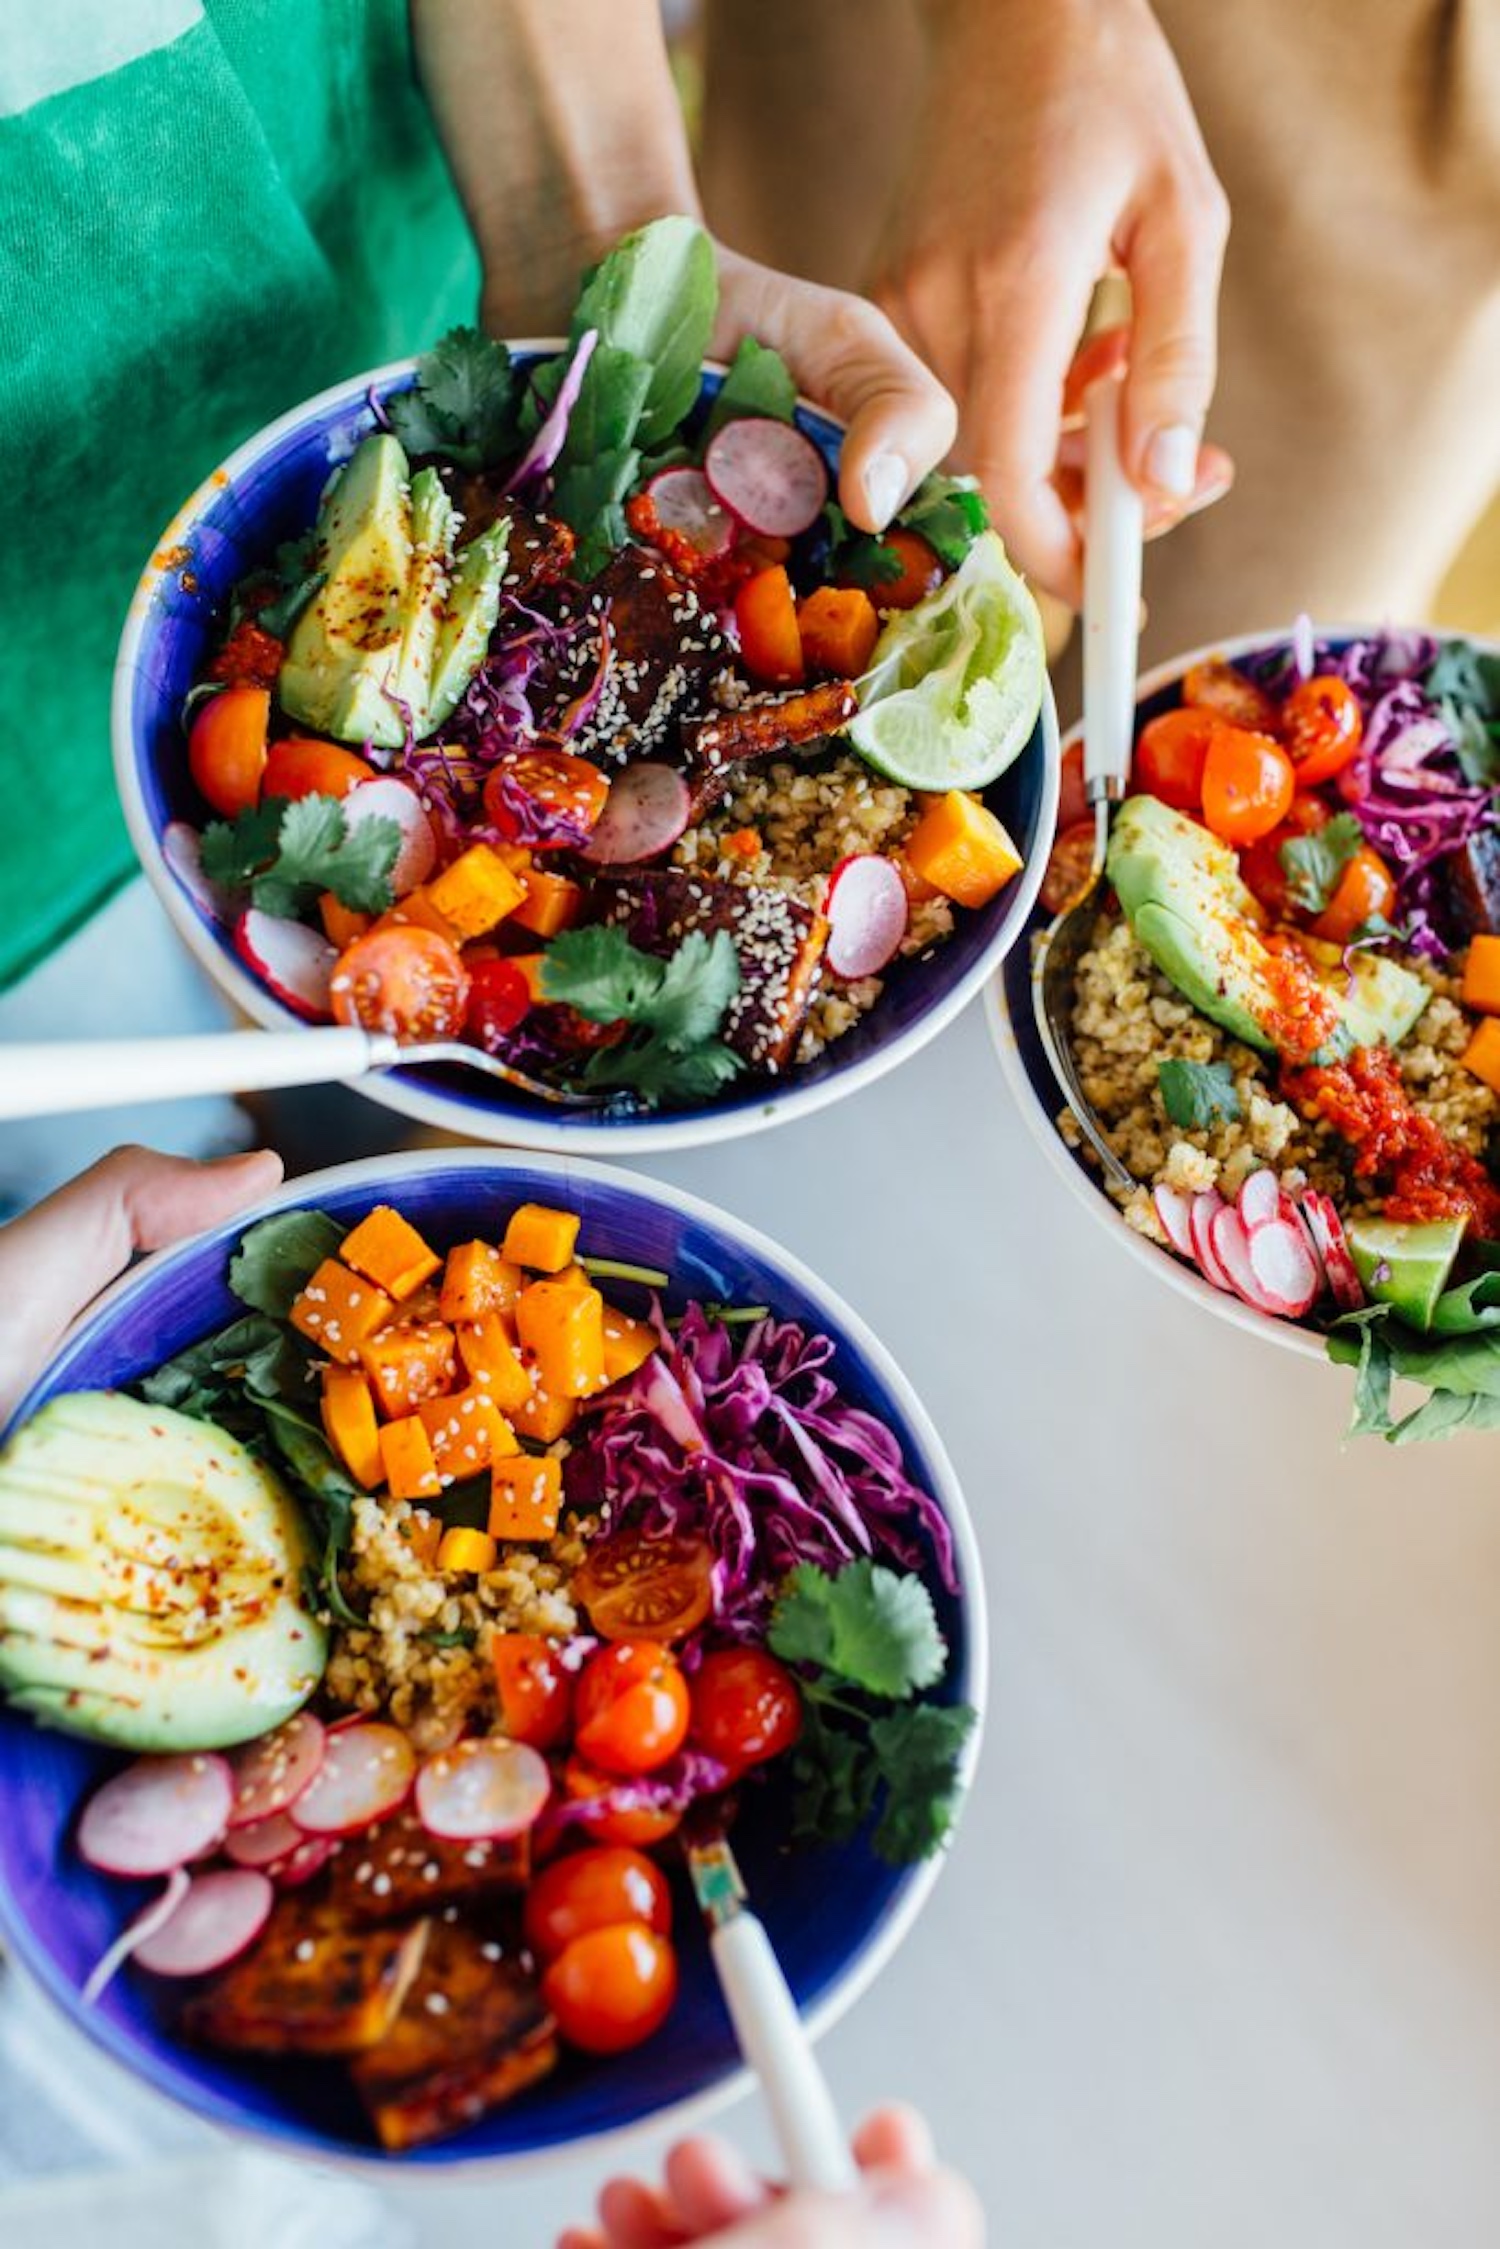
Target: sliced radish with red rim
1231,1241
868,912
648,808
264,1841
482,1791
1259,1199
1282,1261
1320,1213
295,962
683,501
366,1773
768,474
1174,1210
220,1917
273,1772
309,1858
157,1814
390,799
1201,1214
182,849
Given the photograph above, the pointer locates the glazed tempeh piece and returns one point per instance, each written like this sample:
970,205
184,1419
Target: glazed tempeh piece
715,745
397,1869
311,1984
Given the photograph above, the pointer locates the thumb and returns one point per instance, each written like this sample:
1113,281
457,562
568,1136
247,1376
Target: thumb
1173,260
846,356
54,1258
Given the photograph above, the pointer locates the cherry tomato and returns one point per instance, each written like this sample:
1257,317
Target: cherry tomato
630,1707
1260,862
558,781
499,998
612,1987
594,1889
746,1707
920,571
1068,866
536,1694
1072,804
1170,755
227,748
304,768
635,1587
1216,686
1248,785
770,641
408,982
1364,889
1323,726
638,1824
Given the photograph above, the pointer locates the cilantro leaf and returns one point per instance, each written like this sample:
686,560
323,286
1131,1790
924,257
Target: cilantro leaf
1313,863
869,563
836,1781
674,1007
275,1258
1198,1095
949,512
697,985
869,1625
599,972
234,851
759,382
657,1072
463,405
917,1752
289,850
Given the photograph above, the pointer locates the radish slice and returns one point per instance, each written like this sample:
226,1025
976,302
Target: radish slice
157,1814
182,849
868,911
1283,1263
1201,1213
482,1791
270,1774
309,1858
1232,1247
768,474
648,808
145,1924
683,501
1173,1211
295,961
390,799
1259,1200
221,1916
366,1772
1327,1229
264,1841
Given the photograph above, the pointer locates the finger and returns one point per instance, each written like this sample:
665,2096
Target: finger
895,2138
54,1258
1104,353
848,358
580,2237
897,2209
1174,258
711,2185
636,2216
1213,478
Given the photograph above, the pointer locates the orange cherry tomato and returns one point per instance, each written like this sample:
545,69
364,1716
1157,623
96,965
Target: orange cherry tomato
1364,889
1323,726
597,1888
612,1987
1170,755
638,1588
1216,686
559,781
1068,866
1248,785
746,1707
536,1694
920,572
630,1707
770,641
301,767
227,748
1260,862
406,981
637,1824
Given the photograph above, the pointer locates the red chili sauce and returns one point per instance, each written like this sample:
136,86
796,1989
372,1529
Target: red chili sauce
1367,1105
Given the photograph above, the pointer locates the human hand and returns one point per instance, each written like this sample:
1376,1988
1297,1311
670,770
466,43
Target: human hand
709,2194
1055,144
57,1256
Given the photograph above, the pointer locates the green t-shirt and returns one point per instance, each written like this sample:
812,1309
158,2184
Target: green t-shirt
209,210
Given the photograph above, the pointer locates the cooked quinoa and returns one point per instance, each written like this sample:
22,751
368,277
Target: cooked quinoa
788,825
1127,1018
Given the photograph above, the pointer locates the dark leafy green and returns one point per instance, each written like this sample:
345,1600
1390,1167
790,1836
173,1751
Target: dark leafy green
1198,1095
1457,1361
949,512
655,297
274,1258
464,406
759,382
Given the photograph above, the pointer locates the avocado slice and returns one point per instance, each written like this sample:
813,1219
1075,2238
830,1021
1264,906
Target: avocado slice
151,1574
1181,891
1405,1265
398,625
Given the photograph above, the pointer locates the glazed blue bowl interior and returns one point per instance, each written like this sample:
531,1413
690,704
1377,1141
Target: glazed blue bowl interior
823,1907
242,522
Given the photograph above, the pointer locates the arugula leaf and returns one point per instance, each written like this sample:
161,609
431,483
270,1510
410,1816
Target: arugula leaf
674,1007
870,1626
1198,1095
759,382
1313,863
208,1380
590,498
1357,1339
918,1754
949,512
1468,674
276,1257
1444,1414
656,296
463,405
327,1497
1470,1307
289,850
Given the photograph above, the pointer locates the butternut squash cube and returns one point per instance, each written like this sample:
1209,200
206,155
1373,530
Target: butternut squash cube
490,1361
408,1363
563,1329
544,1417
423,1533
338,1310
628,1344
540,1237
386,1249
349,1420
530,966
463,1549
341,923
551,903
525,1497
410,1469
1482,1054
477,891
478,1280
1481,985
961,849
467,1431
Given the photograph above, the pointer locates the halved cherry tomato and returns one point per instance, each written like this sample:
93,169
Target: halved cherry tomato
536,1694
920,570
1170,754
227,748
1364,889
596,1888
301,767
612,1987
746,1707
499,999
637,1824
766,614
1072,804
639,1588
1068,865
407,982
1218,687
630,1707
560,783
1323,727
1248,784
1260,862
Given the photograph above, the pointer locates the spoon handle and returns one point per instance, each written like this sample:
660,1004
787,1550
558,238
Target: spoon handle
774,2041
46,1079
1113,530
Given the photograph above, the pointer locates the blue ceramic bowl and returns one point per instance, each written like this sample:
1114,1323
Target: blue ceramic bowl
268,492
834,1914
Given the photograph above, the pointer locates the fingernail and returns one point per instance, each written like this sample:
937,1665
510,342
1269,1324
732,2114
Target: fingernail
904,2209
887,479
1172,460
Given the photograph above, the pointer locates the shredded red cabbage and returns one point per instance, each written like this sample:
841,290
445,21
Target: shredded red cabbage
539,456
671,1788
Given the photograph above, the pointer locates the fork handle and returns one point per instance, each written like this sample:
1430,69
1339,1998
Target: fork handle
774,2041
46,1079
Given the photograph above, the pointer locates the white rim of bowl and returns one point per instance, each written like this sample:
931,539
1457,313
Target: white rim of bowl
538,1133
946,1489
1289,1334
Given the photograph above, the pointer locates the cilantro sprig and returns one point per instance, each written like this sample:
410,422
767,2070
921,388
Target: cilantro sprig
866,1641
1313,863
673,1009
1197,1095
464,405
287,851
949,512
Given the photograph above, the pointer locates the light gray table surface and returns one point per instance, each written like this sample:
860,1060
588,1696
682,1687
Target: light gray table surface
1216,1959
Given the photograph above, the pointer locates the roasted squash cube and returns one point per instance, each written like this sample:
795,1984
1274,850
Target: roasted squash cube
525,1496
1482,1054
465,1549
1481,984
489,1356
338,1310
478,1280
544,1416
386,1249
423,1533
540,1237
417,911
476,892
467,1431
563,1329
409,1362
406,1451
551,903
349,1420
628,1344
341,923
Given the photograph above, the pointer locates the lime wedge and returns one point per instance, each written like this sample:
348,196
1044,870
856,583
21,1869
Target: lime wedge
955,684
1405,1266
